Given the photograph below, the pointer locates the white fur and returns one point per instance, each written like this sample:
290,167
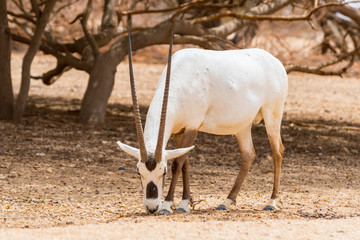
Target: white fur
135,152
272,203
218,92
166,205
169,154
184,205
227,202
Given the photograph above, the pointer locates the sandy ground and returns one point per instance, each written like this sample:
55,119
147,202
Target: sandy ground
262,229
60,180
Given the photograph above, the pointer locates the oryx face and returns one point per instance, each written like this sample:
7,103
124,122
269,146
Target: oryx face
152,175
152,165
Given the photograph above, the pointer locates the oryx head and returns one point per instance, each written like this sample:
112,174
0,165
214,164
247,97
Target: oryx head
152,166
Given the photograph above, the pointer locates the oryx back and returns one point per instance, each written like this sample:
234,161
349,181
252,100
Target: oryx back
220,92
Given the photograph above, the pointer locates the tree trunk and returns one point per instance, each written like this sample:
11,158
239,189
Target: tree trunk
101,82
6,92
29,57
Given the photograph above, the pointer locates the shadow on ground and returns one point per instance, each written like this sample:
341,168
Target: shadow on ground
54,171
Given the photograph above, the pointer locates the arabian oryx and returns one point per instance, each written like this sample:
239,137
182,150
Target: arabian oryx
217,92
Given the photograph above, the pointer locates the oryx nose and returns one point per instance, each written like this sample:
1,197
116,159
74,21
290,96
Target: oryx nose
152,210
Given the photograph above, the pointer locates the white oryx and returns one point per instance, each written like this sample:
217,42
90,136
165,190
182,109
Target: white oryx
218,92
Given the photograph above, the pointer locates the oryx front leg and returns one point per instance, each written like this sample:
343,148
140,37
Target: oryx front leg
180,164
247,157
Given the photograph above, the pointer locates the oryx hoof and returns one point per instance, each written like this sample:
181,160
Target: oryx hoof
165,212
182,210
222,207
269,208
183,206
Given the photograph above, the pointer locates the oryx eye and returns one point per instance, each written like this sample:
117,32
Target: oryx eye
164,173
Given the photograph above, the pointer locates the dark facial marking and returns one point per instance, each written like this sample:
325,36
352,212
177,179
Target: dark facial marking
150,164
151,190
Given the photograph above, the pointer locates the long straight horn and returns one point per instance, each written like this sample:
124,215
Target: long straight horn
139,129
160,141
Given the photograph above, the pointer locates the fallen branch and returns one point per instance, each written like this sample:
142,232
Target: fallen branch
326,126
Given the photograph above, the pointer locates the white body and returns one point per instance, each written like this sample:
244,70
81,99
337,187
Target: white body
218,92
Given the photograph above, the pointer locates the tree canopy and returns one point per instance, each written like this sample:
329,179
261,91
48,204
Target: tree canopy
91,35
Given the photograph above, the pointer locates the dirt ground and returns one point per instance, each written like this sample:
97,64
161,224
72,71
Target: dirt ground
61,179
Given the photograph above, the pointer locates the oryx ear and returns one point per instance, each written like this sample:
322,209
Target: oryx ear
170,154
129,150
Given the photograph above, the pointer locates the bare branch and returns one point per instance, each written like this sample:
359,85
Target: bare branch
316,3
318,69
181,9
68,58
198,5
348,12
107,20
35,8
22,16
89,37
200,41
220,39
51,76
229,27
20,6
76,18
26,15
64,6
23,26
76,63
269,7
253,17
148,11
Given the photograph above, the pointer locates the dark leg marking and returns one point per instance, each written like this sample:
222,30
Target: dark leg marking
183,139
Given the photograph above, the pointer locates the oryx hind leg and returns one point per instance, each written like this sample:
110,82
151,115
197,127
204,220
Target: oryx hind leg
247,157
181,164
272,119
